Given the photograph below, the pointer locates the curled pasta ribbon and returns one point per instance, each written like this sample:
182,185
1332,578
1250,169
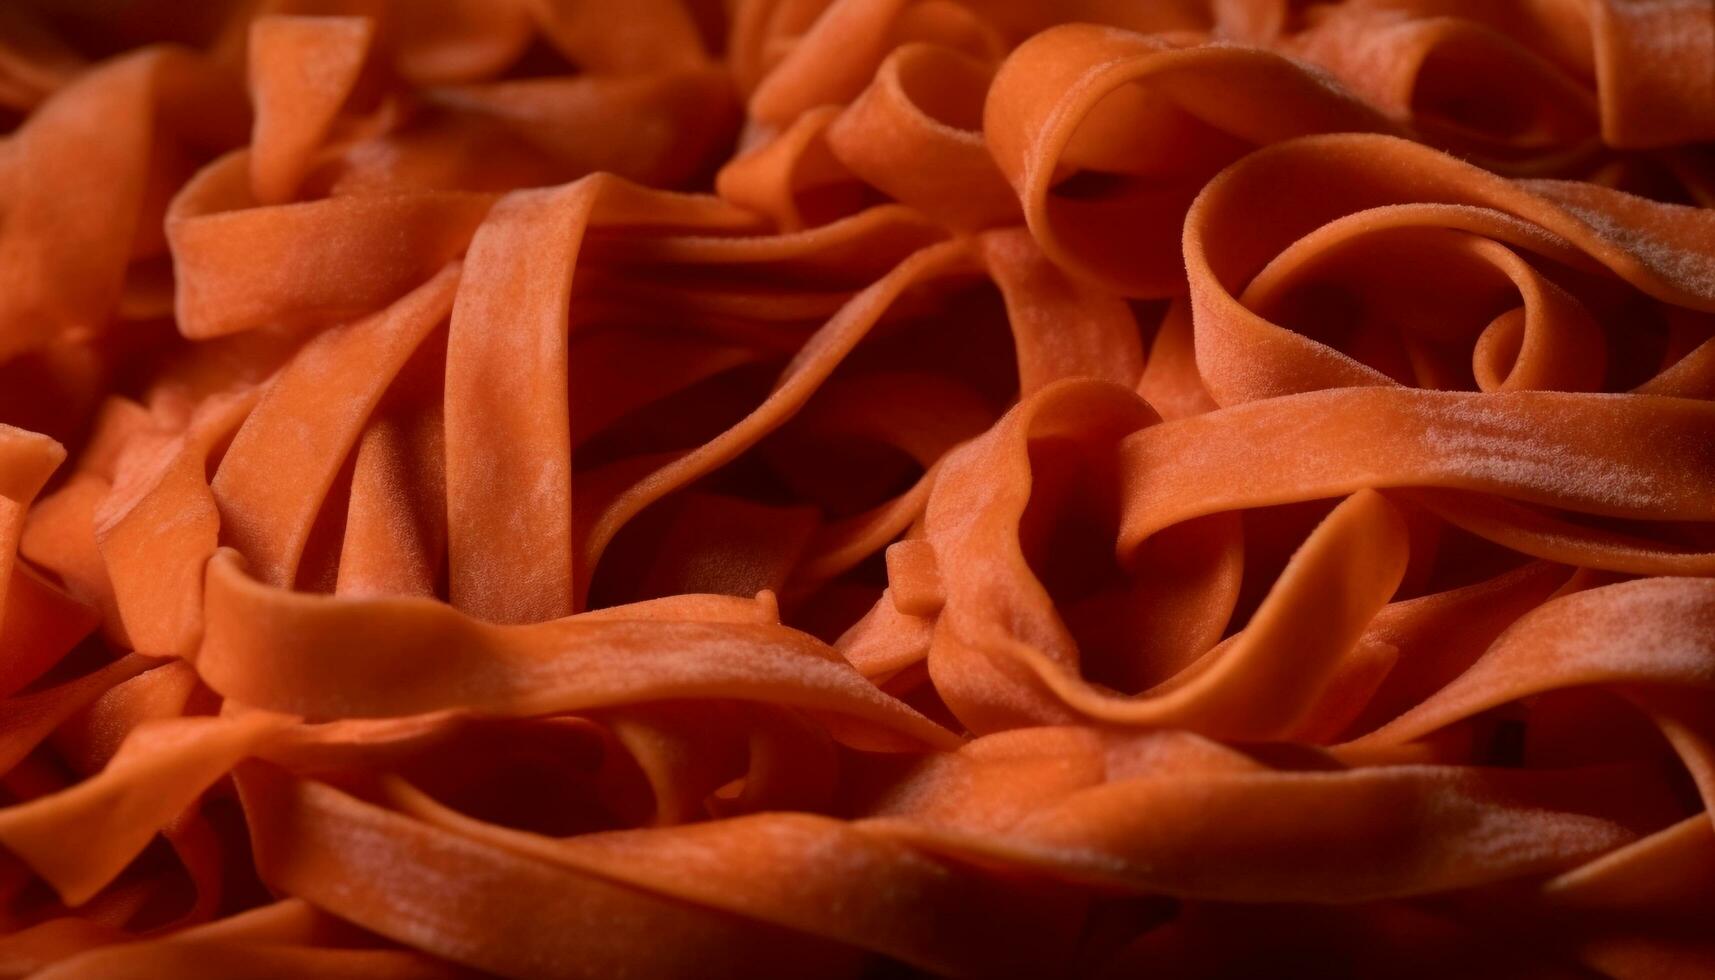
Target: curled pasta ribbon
554,489
1107,136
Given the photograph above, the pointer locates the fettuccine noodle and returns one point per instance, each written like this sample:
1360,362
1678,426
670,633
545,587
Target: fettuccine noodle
979,488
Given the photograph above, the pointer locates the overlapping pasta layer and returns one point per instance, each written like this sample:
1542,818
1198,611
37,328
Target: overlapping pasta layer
548,488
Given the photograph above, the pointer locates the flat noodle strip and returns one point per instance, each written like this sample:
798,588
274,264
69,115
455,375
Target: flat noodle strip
511,555
706,488
343,371
314,837
432,658
701,862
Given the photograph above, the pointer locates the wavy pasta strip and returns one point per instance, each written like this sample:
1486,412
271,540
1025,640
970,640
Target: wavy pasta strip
702,488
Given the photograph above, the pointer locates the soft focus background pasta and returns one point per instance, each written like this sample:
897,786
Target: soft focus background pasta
684,488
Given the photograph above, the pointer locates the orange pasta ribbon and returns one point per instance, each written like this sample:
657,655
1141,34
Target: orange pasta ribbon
751,488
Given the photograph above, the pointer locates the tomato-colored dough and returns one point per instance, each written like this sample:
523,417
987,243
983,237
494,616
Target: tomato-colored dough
855,488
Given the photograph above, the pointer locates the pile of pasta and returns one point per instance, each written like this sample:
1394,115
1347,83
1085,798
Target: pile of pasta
552,488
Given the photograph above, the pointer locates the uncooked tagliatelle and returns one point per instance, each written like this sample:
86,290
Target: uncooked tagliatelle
819,488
